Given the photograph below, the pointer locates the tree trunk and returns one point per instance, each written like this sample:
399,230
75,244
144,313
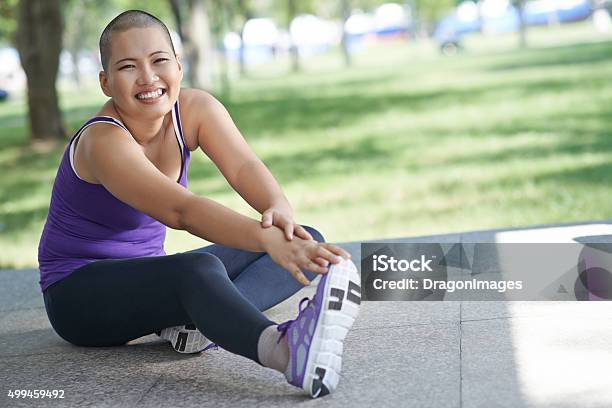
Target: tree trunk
201,56
245,10
195,36
73,39
224,67
39,41
219,23
346,13
293,48
520,4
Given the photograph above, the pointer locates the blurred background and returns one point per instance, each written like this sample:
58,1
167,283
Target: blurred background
379,119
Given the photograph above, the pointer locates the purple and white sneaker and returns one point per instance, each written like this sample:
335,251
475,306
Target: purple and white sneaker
315,337
186,339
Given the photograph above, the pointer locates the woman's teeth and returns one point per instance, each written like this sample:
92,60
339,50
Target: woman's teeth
150,95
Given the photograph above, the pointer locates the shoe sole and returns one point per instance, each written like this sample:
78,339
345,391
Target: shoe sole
340,307
185,339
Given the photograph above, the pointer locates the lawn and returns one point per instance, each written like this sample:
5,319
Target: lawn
404,143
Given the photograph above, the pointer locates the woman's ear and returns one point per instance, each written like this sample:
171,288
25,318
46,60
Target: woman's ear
180,66
103,78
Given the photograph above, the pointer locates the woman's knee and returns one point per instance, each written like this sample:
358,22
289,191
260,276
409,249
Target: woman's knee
315,233
200,265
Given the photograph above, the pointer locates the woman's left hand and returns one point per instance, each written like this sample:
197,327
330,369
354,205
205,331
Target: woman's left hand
284,221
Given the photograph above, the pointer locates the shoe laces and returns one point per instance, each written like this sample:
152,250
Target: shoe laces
211,346
284,327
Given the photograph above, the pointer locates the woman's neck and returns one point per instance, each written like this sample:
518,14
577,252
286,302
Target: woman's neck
144,132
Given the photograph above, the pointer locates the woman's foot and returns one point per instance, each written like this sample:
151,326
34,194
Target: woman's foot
186,339
315,337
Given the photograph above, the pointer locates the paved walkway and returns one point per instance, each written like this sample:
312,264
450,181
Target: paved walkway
405,354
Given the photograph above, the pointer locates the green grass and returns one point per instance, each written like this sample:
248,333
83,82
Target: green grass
404,143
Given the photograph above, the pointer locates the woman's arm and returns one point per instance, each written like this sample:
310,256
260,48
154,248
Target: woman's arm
120,164
212,221
220,139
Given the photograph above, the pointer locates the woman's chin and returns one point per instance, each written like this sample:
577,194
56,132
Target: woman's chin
153,111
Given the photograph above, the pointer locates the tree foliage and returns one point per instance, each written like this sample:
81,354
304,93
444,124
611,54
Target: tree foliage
429,11
8,20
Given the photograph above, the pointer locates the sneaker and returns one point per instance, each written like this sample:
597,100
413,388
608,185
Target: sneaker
315,337
186,339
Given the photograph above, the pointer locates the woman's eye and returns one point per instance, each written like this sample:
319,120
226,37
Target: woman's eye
126,66
161,59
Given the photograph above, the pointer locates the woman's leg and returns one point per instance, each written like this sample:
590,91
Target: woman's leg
257,276
111,302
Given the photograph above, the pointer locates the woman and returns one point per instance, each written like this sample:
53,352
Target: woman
104,274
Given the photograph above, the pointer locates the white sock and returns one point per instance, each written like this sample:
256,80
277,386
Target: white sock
271,352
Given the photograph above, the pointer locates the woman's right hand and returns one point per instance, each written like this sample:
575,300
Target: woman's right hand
300,253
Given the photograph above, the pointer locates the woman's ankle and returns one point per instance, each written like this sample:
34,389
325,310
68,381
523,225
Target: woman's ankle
272,350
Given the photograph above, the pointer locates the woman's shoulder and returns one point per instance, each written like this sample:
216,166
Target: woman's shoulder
191,98
198,109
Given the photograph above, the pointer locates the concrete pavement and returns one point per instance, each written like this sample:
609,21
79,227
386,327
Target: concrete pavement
404,354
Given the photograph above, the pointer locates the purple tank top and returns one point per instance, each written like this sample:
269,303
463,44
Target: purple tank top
86,223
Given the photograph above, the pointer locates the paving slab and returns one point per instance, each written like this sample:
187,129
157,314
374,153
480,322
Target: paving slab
117,376
477,310
537,362
19,289
426,355
148,373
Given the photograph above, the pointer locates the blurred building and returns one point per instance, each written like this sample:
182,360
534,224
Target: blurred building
12,76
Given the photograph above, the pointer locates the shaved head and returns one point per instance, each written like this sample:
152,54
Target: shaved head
123,22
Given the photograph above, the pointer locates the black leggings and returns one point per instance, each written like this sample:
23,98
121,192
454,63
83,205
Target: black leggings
219,289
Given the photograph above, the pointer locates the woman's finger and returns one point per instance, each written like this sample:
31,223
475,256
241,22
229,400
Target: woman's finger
321,261
288,230
314,267
301,232
297,274
266,219
323,252
337,250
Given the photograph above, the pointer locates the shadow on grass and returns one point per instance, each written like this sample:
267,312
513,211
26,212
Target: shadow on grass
363,155
594,174
314,113
575,54
570,139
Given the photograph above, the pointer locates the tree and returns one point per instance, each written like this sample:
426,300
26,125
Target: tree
520,7
84,24
345,13
287,10
246,12
220,21
39,42
195,36
429,11
293,47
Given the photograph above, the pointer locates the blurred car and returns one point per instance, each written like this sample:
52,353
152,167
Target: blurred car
602,15
498,16
450,31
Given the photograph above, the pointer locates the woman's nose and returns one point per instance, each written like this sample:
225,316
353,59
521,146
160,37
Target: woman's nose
147,76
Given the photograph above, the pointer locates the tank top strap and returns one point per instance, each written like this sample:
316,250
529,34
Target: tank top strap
95,119
178,128
98,119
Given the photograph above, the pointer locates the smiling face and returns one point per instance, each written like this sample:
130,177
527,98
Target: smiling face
143,75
